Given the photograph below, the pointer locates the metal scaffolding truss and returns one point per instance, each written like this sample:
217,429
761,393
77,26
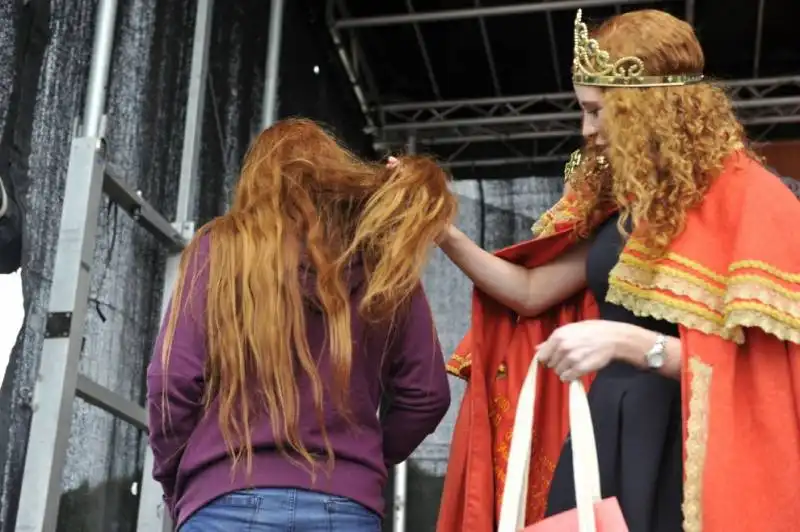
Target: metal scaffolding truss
557,114
758,102
451,126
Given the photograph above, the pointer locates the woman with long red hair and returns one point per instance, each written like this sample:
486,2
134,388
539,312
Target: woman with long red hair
294,315
668,277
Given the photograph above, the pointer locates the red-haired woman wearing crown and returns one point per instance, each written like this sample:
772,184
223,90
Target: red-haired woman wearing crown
668,278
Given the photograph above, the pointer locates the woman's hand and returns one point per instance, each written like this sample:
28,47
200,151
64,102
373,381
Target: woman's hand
449,231
577,349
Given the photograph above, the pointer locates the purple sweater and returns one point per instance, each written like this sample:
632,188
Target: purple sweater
191,461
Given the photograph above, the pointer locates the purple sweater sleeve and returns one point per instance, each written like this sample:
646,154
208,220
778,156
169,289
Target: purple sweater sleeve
175,393
420,391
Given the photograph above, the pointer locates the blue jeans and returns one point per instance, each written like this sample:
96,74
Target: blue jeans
282,510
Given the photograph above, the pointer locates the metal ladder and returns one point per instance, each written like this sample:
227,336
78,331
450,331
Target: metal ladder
58,380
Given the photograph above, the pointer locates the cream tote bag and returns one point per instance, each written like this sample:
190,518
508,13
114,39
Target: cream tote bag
584,457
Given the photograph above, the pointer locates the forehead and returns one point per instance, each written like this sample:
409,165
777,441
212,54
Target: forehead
588,95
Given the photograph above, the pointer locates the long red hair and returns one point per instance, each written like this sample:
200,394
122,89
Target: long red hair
302,201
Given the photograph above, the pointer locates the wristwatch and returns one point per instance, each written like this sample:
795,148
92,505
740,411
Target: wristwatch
658,353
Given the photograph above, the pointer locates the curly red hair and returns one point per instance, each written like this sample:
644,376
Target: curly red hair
665,145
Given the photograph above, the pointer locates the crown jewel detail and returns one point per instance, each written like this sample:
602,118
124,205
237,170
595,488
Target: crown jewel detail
591,65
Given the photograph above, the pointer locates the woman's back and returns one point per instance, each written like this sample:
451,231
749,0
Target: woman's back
403,359
292,315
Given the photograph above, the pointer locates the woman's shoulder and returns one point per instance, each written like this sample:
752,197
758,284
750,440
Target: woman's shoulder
744,185
742,171
747,211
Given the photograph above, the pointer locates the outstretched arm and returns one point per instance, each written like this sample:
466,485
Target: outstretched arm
526,292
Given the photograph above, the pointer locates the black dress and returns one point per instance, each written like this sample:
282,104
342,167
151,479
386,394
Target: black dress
637,420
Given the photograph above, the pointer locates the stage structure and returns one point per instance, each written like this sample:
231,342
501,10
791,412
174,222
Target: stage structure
449,126
430,124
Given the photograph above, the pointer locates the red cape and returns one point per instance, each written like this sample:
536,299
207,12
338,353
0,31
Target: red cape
494,357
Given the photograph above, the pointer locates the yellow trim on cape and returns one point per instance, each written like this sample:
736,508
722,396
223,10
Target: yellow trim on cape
695,444
680,290
563,212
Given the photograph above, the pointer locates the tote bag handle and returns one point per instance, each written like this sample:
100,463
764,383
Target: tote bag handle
584,457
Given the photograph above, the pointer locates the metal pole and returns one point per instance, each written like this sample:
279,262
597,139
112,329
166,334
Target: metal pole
401,469
272,69
195,107
690,11
477,12
57,375
153,516
556,157
487,46
350,71
467,102
481,163
426,58
551,32
759,38
3,199
95,102
488,137
400,492
483,121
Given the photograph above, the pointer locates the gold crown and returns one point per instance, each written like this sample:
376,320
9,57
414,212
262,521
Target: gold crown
593,66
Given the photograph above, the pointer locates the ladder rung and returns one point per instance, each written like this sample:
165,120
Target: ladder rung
141,211
101,397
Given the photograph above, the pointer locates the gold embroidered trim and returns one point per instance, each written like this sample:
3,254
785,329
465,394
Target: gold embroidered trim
502,371
660,306
755,314
696,440
765,285
679,259
457,364
767,268
701,299
547,223
739,287
643,276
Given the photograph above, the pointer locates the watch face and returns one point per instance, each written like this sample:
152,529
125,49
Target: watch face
655,360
